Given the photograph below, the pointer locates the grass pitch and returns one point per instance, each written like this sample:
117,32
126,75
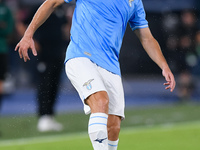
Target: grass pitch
175,127
182,136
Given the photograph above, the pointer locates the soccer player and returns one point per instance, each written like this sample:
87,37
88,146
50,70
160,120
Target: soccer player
92,64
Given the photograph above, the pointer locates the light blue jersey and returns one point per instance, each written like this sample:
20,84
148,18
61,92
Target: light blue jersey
98,27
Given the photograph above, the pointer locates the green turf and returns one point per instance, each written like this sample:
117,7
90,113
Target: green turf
12,127
167,114
24,127
183,136
176,137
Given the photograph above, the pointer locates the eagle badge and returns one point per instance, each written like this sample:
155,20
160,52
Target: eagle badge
88,84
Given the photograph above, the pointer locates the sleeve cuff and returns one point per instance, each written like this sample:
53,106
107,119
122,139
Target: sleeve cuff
139,27
67,1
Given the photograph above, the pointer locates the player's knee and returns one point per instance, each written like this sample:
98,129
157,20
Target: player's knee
98,102
103,102
102,105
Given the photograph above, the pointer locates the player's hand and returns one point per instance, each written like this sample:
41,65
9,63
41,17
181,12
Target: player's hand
23,46
169,77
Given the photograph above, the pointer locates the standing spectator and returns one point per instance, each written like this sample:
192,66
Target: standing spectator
187,32
186,53
170,25
180,46
50,45
6,28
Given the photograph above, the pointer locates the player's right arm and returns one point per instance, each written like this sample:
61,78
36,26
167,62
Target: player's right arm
39,18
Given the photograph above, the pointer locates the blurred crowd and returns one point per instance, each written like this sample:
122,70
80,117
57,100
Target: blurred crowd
182,36
181,32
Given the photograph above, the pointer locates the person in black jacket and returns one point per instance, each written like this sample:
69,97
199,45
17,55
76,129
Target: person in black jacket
51,51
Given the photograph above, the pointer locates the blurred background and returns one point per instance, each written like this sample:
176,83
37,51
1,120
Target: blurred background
176,26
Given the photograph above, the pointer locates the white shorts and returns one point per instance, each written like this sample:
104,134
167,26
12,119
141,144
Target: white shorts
88,78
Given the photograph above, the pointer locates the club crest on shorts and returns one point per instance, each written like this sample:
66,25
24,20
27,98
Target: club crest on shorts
88,84
130,2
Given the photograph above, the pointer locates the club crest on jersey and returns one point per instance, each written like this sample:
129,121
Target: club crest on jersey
130,3
88,84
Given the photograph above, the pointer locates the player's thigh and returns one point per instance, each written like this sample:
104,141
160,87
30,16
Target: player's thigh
84,76
114,87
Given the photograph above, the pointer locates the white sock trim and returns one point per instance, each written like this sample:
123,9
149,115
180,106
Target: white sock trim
98,115
97,121
113,143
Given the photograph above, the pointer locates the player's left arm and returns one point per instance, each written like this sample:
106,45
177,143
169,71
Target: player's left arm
153,49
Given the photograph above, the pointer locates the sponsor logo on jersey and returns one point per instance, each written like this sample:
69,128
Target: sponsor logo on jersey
88,84
86,53
100,140
130,3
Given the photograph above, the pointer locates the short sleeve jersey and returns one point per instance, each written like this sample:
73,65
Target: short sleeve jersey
98,27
